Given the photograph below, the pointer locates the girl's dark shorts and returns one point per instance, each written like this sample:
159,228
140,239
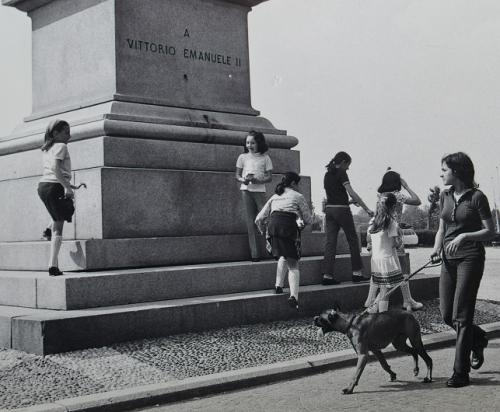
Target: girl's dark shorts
52,195
284,235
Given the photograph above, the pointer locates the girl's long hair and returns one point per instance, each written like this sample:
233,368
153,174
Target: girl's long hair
383,215
462,167
338,159
54,126
286,181
260,140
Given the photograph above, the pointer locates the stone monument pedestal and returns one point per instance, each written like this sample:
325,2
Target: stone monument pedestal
157,93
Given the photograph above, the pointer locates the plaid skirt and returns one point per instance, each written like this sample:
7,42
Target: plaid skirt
283,235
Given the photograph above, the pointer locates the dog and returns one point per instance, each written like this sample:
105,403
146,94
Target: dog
373,332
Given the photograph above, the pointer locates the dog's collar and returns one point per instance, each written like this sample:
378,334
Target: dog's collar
349,324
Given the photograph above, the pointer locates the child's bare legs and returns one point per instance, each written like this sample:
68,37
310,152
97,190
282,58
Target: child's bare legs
383,299
372,294
293,277
55,246
281,271
408,302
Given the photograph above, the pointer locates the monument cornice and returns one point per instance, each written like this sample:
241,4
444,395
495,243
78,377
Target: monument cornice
28,5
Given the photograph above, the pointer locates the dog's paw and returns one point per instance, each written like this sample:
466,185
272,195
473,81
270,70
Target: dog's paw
320,334
393,377
416,371
427,380
347,391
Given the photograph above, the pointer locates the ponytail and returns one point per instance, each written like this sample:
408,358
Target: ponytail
337,160
287,179
54,126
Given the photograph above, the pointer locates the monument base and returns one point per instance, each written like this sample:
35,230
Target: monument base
114,306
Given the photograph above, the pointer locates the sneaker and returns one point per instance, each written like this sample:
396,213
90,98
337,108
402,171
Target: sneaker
329,281
458,380
54,271
477,355
47,234
278,290
292,302
413,305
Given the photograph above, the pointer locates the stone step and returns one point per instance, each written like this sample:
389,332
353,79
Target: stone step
119,287
44,331
96,254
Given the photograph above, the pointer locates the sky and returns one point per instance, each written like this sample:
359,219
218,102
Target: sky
394,83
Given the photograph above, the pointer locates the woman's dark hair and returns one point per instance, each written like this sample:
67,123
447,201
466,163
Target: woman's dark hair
338,159
383,215
391,181
286,181
462,167
260,140
54,126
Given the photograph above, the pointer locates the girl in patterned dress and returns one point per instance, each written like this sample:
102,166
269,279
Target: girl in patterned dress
393,182
385,238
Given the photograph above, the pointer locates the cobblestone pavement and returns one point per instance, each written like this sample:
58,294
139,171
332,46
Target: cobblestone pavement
29,379
322,392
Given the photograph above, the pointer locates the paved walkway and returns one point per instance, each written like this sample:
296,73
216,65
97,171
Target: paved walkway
322,392
29,380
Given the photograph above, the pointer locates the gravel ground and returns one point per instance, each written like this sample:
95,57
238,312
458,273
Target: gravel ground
27,380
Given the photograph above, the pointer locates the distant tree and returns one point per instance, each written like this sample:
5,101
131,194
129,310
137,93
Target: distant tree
415,217
433,213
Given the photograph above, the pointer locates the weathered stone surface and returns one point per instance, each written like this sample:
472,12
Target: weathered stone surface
95,254
109,288
144,153
98,327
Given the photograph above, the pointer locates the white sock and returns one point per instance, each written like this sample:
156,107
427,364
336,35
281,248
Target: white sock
383,301
293,280
281,271
55,246
383,305
372,293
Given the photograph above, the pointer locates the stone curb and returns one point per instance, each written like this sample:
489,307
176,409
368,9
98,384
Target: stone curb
150,395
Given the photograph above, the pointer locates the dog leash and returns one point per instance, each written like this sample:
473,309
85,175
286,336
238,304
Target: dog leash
432,263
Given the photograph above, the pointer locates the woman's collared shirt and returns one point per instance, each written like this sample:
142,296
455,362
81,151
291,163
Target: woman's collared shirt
464,215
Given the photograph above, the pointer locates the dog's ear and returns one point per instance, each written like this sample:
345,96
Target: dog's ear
336,307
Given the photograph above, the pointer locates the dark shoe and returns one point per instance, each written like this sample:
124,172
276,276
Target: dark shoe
477,355
54,271
458,380
357,279
255,260
278,290
292,302
329,281
47,234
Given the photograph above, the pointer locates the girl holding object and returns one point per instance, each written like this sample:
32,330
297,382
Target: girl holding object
286,213
254,169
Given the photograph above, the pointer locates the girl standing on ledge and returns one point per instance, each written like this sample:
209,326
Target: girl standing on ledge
338,216
55,188
254,169
465,223
286,213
